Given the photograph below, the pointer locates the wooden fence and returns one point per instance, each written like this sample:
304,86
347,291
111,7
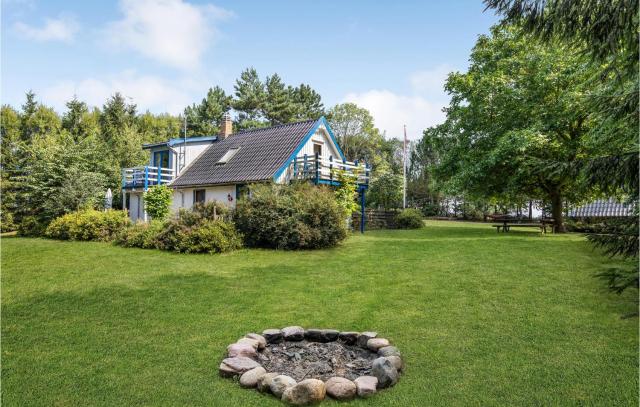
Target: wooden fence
375,219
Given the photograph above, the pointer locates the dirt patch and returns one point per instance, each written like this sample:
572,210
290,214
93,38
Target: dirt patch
315,360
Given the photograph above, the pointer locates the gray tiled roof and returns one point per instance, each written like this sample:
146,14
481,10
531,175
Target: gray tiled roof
262,152
602,208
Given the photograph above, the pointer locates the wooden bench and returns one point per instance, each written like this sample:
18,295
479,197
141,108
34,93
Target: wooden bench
505,226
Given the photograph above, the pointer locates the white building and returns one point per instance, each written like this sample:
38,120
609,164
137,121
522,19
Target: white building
217,168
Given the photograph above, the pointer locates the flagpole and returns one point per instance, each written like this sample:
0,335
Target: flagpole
404,169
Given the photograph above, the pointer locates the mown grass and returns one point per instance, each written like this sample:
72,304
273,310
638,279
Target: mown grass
481,318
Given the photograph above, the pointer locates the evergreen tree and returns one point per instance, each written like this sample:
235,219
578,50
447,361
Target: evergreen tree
278,106
205,118
308,103
250,99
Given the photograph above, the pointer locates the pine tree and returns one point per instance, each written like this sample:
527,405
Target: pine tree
250,99
278,107
308,103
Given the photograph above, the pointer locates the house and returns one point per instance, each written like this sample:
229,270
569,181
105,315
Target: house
218,168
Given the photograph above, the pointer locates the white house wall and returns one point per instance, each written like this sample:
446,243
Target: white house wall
194,149
183,197
136,207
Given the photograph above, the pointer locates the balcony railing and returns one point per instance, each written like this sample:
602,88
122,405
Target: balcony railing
144,177
325,171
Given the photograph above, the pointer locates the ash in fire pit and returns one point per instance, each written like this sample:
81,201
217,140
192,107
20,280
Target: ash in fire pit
301,366
316,360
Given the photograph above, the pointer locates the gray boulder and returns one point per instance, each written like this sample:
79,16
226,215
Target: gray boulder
348,338
257,337
241,349
389,351
321,335
386,373
264,382
250,377
281,383
293,333
396,361
364,338
340,388
376,343
272,335
306,392
366,386
236,366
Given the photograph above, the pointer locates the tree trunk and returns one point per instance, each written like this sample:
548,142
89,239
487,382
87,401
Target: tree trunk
556,211
530,210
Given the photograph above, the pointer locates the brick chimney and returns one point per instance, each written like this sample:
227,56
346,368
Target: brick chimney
226,127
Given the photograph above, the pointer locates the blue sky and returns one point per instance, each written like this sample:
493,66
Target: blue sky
391,57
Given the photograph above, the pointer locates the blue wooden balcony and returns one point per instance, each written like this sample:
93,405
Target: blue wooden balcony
145,177
324,171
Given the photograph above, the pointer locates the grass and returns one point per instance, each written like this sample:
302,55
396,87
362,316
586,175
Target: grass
481,318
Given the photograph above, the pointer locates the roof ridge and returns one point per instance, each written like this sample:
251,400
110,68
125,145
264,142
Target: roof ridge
273,127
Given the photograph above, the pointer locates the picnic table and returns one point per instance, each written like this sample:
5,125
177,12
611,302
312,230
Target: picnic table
505,223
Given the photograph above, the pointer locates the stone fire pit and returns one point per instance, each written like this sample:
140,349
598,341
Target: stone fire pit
302,366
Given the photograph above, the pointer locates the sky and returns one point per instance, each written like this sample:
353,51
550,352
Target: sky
391,57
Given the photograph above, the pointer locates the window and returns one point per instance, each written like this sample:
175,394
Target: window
199,196
228,156
317,149
161,159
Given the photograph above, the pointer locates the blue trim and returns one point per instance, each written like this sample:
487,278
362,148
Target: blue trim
333,138
304,141
172,142
146,178
332,183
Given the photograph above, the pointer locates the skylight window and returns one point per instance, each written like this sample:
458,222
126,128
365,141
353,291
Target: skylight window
228,156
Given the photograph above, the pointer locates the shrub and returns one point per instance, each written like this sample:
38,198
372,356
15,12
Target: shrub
409,219
210,236
30,226
189,231
297,216
143,235
157,201
89,225
6,221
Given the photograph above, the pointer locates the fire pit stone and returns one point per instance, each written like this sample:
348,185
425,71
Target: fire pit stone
302,366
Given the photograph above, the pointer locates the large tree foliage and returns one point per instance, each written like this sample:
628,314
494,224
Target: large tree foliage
606,31
360,140
517,121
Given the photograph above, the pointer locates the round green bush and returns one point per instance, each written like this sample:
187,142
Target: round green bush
297,216
89,225
409,219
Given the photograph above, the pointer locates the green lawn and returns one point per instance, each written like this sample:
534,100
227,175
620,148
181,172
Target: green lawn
481,318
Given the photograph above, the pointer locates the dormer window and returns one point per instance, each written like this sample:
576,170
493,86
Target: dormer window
228,156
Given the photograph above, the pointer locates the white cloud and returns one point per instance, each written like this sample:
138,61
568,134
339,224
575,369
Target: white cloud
147,92
430,81
420,109
391,111
63,28
172,32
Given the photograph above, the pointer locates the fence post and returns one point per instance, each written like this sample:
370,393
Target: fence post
362,205
331,168
317,168
305,167
295,167
146,178
159,175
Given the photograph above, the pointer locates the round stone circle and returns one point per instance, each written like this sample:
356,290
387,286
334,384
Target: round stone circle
302,366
